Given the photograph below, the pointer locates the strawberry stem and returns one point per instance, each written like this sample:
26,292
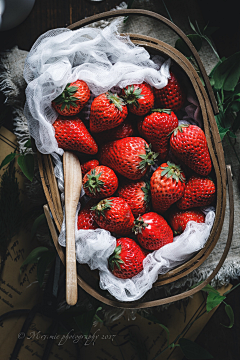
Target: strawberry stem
147,192
115,258
93,184
166,111
101,207
174,171
116,100
132,95
66,98
179,128
148,158
139,225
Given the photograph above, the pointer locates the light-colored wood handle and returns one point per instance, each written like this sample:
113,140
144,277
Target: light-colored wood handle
72,190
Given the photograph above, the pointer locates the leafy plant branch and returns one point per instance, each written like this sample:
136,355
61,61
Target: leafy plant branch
190,349
24,160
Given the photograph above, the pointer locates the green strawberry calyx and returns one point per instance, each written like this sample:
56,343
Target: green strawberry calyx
147,193
115,258
101,207
132,95
174,171
166,111
148,158
116,100
139,225
93,184
66,98
179,128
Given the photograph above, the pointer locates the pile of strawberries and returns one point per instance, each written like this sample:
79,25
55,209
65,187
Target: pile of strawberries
127,133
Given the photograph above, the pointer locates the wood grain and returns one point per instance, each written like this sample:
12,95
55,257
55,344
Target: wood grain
72,190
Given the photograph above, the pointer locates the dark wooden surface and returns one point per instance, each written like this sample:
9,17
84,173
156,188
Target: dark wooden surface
221,342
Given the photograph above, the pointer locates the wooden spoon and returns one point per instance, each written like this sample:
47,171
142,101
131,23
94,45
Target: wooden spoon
72,189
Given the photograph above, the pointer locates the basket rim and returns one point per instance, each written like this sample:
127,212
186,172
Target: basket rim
216,151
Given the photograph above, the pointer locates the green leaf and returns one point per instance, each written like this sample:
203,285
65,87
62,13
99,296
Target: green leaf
208,288
45,260
193,351
39,221
230,314
222,130
214,300
182,46
26,164
192,26
7,159
28,144
34,256
215,67
227,74
235,105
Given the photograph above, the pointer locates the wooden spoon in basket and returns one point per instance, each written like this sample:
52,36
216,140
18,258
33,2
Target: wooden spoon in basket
72,190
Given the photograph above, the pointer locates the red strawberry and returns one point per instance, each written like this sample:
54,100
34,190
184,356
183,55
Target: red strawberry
178,219
189,144
123,130
140,98
172,96
107,111
152,231
127,259
86,218
139,126
198,192
130,157
156,128
88,165
137,195
100,182
167,186
72,134
73,98
115,215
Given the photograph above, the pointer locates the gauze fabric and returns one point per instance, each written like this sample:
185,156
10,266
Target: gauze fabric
102,58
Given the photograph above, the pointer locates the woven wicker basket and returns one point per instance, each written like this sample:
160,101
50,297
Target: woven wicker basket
208,107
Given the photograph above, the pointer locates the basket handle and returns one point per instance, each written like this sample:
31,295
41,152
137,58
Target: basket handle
139,305
176,29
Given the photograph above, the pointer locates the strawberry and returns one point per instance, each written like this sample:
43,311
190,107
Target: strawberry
100,182
127,259
139,127
178,219
73,98
136,194
167,186
125,129
156,128
107,111
72,134
152,231
189,144
172,96
140,98
86,218
130,157
199,191
88,165
115,215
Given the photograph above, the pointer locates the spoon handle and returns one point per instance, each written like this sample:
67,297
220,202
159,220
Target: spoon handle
72,190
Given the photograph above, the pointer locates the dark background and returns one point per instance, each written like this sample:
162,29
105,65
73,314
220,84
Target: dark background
221,342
